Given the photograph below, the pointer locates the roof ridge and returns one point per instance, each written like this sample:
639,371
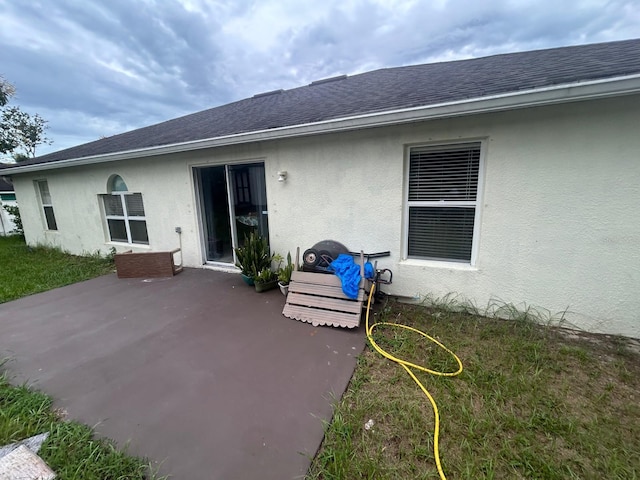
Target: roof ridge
375,92
502,54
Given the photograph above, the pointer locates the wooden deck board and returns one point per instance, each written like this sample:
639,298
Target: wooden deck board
318,299
324,303
323,290
321,317
316,278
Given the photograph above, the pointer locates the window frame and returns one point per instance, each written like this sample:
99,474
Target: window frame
124,217
44,205
476,204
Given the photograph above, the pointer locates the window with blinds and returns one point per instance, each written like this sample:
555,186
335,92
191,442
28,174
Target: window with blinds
125,217
442,201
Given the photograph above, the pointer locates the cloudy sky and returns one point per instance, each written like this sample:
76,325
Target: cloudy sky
96,68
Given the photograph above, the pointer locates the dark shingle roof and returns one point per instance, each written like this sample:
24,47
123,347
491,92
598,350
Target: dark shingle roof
378,91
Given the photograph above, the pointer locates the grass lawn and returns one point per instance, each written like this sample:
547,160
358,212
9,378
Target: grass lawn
26,270
532,402
71,450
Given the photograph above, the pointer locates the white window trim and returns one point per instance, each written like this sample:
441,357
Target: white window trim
477,204
44,205
124,217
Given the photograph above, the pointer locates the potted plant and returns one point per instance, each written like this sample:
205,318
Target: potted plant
266,279
284,276
253,257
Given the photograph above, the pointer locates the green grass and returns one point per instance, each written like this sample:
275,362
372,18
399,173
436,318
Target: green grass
71,449
532,402
26,270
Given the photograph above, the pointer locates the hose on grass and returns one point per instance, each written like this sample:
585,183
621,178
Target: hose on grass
408,366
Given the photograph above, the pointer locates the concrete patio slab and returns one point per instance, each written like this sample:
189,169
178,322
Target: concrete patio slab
198,372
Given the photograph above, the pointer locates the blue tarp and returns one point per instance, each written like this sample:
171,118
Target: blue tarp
349,273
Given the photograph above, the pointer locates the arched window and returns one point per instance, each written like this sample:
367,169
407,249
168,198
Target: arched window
124,212
116,184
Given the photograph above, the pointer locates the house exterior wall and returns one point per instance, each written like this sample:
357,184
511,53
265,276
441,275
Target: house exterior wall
558,210
560,191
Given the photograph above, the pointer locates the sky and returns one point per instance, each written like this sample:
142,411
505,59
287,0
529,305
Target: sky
97,68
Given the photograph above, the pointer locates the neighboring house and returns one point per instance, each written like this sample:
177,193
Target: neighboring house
513,177
7,198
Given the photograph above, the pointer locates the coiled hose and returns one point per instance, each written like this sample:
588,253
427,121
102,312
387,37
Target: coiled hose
408,366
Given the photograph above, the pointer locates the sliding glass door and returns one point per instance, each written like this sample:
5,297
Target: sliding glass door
233,200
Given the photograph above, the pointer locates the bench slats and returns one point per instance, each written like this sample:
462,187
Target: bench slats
325,303
318,299
321,317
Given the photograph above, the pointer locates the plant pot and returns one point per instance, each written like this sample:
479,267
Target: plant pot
284,288
247,279
263,287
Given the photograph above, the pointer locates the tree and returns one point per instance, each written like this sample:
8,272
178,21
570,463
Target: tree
21,130
19,157
7,90
18,129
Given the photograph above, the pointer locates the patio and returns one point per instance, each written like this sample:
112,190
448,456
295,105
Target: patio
198,372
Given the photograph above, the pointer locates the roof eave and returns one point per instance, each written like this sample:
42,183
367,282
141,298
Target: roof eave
571,92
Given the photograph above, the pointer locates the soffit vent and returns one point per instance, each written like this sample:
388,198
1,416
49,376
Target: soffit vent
327,80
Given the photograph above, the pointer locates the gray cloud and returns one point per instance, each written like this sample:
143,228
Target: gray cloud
98,68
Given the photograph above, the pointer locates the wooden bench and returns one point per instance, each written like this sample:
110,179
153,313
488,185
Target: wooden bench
146,264
317,298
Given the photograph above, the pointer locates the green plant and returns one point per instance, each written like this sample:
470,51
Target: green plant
265,275
278,259
253,256
111,256
17,220
284,273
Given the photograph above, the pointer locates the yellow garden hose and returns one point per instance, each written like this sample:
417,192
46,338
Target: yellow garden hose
408,366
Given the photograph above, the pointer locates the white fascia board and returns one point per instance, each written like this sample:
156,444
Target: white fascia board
572,92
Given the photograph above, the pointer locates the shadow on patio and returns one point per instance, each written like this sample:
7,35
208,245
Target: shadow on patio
198,371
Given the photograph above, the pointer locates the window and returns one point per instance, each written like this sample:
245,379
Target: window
442,208
243,188
124,212
116,184
47,206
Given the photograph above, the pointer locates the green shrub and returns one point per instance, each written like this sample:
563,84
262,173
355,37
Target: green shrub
253,256
15,212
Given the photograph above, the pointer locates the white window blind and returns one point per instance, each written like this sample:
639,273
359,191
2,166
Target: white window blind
441,201
135,208
113,205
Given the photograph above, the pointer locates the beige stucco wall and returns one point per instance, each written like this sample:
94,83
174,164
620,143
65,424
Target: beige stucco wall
559,226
